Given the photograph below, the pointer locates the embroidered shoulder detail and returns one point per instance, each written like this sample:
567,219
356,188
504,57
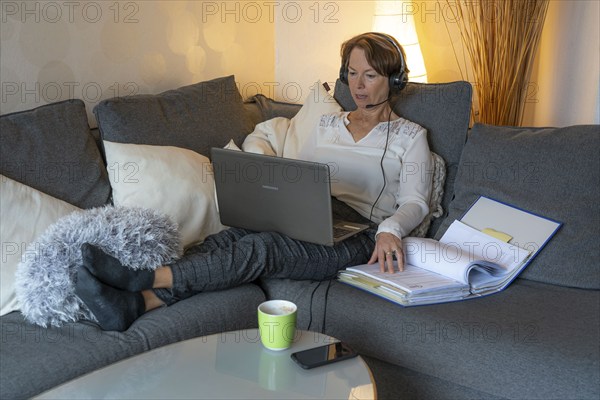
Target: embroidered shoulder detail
329,120
329,127
406,127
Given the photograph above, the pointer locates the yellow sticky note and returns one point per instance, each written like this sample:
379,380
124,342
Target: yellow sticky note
498,235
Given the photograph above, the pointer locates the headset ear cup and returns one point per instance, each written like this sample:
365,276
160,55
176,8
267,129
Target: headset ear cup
394,81
344,75
398,80
403,80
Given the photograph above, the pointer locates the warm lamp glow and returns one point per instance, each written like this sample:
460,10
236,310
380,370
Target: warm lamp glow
389,18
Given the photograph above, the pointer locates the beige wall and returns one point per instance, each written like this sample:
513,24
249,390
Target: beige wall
56,50
53,50
308,47
565,83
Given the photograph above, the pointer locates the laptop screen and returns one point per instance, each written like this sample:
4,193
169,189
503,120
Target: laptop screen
267,193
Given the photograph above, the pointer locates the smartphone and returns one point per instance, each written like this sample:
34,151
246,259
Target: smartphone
323,355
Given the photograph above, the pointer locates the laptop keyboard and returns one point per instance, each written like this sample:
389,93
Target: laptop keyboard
339,231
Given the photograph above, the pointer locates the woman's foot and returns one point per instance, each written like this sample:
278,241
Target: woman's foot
114,309
110,270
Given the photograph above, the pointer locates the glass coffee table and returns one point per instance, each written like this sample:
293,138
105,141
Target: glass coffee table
229,365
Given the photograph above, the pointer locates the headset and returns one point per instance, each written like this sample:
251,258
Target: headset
397,80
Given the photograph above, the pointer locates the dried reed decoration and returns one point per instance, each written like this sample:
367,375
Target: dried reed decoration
501,38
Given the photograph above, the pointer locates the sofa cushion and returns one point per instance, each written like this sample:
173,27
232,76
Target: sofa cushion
20,228
253,111
530,341
441,108
175,181
35,359
51,149
553,172
270,108
196,117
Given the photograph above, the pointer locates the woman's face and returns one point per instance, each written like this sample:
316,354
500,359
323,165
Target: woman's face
366,85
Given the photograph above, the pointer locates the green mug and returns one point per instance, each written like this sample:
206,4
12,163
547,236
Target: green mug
277,324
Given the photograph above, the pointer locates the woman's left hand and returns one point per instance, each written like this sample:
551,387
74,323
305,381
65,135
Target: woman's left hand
386,247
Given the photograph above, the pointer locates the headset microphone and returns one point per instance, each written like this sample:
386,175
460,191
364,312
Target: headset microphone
375,105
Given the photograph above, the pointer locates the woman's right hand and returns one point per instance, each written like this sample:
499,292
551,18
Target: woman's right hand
387,246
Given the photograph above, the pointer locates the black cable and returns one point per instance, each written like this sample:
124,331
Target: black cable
387,138
312,295
325,307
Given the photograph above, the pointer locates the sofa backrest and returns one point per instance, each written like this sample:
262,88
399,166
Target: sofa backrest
195,117
441,108
553,172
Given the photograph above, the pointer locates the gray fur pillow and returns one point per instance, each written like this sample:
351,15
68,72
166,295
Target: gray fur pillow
139,238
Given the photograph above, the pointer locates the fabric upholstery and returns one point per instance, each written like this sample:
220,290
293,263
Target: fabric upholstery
553,172
51,149
175,181
441,108
20,229
78,348
252,109
270,108
194,117
395,382
532,340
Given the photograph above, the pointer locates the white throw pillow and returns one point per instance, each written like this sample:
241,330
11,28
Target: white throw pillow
25,213
176,181
287,137
232,146
319,102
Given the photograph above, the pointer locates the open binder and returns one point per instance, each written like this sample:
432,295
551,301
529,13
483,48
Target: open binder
480,254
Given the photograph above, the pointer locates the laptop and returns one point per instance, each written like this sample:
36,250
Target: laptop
267,193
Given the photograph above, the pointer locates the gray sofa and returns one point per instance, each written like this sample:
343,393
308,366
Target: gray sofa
539,338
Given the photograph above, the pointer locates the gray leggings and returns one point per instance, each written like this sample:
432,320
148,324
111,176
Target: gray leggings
236,256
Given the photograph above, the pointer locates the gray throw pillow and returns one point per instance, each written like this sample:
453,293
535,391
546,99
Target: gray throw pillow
51,149
553,172
196,117
270,108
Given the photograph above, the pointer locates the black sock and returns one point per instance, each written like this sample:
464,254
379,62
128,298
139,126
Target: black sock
110,270
114,309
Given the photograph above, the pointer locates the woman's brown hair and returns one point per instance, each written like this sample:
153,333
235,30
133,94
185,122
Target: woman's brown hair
381,51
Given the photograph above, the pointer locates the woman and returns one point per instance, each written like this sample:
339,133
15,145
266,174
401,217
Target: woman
367,144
